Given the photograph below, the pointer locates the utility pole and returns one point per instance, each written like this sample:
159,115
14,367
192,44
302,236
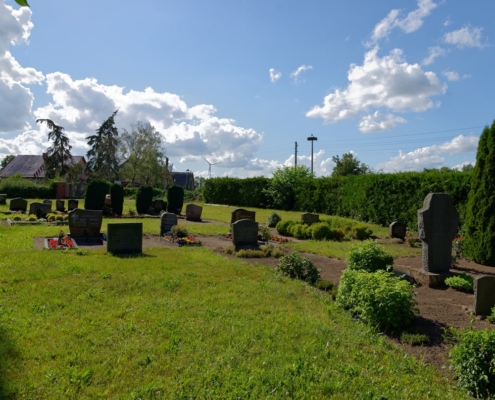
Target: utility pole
295,157
312,139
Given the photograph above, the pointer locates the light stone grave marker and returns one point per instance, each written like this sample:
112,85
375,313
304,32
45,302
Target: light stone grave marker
309,218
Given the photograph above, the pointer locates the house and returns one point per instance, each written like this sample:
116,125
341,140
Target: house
184,179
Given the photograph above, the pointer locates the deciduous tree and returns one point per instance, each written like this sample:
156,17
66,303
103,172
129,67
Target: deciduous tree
6,160
349,165
281,187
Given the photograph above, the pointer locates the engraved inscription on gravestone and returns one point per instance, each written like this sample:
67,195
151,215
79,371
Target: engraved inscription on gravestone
241,213
437,226
18,204
167,220
125,238
245,234
397,230
193,212
85,222
309,219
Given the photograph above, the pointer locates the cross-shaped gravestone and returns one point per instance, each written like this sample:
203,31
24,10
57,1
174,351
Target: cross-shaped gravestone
437,226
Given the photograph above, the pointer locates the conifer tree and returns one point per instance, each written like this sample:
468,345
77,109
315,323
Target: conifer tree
59,157
479,243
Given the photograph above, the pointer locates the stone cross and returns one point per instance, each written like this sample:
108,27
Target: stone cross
437,226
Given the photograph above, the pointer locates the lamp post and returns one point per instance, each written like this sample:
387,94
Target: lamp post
312,139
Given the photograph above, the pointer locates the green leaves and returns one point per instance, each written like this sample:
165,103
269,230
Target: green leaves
22,3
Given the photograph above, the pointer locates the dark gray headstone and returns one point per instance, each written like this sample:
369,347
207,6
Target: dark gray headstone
18,204
241,213
397,230
40,209
484,295
167,220
125,238
159,205
3,198
309,219
437,226
193,212
245,234
72,204
60,205
85,223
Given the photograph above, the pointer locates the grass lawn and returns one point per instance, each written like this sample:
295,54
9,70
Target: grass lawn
183,323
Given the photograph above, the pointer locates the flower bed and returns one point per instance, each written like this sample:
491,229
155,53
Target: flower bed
188,240
60,243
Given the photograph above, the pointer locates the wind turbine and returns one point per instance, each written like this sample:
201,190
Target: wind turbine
210,164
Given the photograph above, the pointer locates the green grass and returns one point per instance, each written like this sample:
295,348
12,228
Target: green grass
182,323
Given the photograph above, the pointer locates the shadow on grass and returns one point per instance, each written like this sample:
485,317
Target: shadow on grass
8,354
140,255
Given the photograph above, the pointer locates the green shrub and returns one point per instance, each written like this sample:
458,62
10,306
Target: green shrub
337,235
96,191
175,199
16,218
117,198
300,231
324,285
265,234
250,253
59,218
65,218
461,282
179,231
491,317
144,199
297,267
362,232
414,338
273,220
17,186
378,298
368,256
473,360
283,227
321,231
32,218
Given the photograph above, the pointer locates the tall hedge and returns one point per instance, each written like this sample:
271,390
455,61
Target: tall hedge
96,190
144,199
17,186
175,199
117,197
247,192
479,243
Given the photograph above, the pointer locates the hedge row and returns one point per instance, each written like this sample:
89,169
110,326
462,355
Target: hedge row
237,192
16,186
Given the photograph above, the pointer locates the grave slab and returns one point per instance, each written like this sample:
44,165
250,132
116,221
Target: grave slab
85,223
245,234
484,294
125,238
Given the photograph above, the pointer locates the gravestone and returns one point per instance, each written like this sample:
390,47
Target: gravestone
193,212
167,220
40,209
241,213
85,223
18,204
397,230
437,226
245,234
3,198
159,205
60,205
484,294
72,204
309,219
125,238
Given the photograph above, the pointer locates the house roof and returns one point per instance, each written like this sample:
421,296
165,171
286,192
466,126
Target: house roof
30,166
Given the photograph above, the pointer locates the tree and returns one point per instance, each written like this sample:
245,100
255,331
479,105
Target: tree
22,3
479,243
102,160
144,155
6,160
349,165
59,157
281,188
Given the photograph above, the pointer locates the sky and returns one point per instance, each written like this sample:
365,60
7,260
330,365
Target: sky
403,85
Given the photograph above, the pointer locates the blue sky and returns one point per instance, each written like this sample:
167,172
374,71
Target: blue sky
239,82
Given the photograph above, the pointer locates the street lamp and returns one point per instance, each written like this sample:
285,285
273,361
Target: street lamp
312,139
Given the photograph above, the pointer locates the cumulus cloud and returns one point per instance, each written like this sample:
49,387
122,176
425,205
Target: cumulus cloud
388,82
412,22
430,157
274,75
433,53
451,75
465,37
296,75
379,123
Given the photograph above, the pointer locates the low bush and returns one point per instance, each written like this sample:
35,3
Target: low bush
179,231
324,285
378,298
250,253
273,220
414,338
473,360
300,231
362,232
370,257
297,267
491,317
462,282
264,232
32,218
283,227
321,231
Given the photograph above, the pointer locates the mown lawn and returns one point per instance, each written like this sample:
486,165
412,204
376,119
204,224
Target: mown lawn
183,323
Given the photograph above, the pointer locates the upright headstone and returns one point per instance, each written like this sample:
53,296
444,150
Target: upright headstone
484,294
125,238
3,198
309,219
397,230
245,234
18,204
167,220
193,212
437,226
72,204
159,205
40,209
60,205
241,213
85,223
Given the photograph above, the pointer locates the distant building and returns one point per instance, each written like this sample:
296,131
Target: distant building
184,179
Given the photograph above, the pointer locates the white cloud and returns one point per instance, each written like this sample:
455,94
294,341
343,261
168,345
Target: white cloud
465,37
412,22
451,75
430,157
274,75
433,53
295,75
388,82
379,123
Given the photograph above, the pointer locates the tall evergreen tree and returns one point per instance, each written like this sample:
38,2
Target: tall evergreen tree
59,157
102,160
479,243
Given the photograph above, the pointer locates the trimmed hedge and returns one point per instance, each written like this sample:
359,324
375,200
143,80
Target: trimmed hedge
144,199
175,199
117,198
94,198
237,192
17,186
